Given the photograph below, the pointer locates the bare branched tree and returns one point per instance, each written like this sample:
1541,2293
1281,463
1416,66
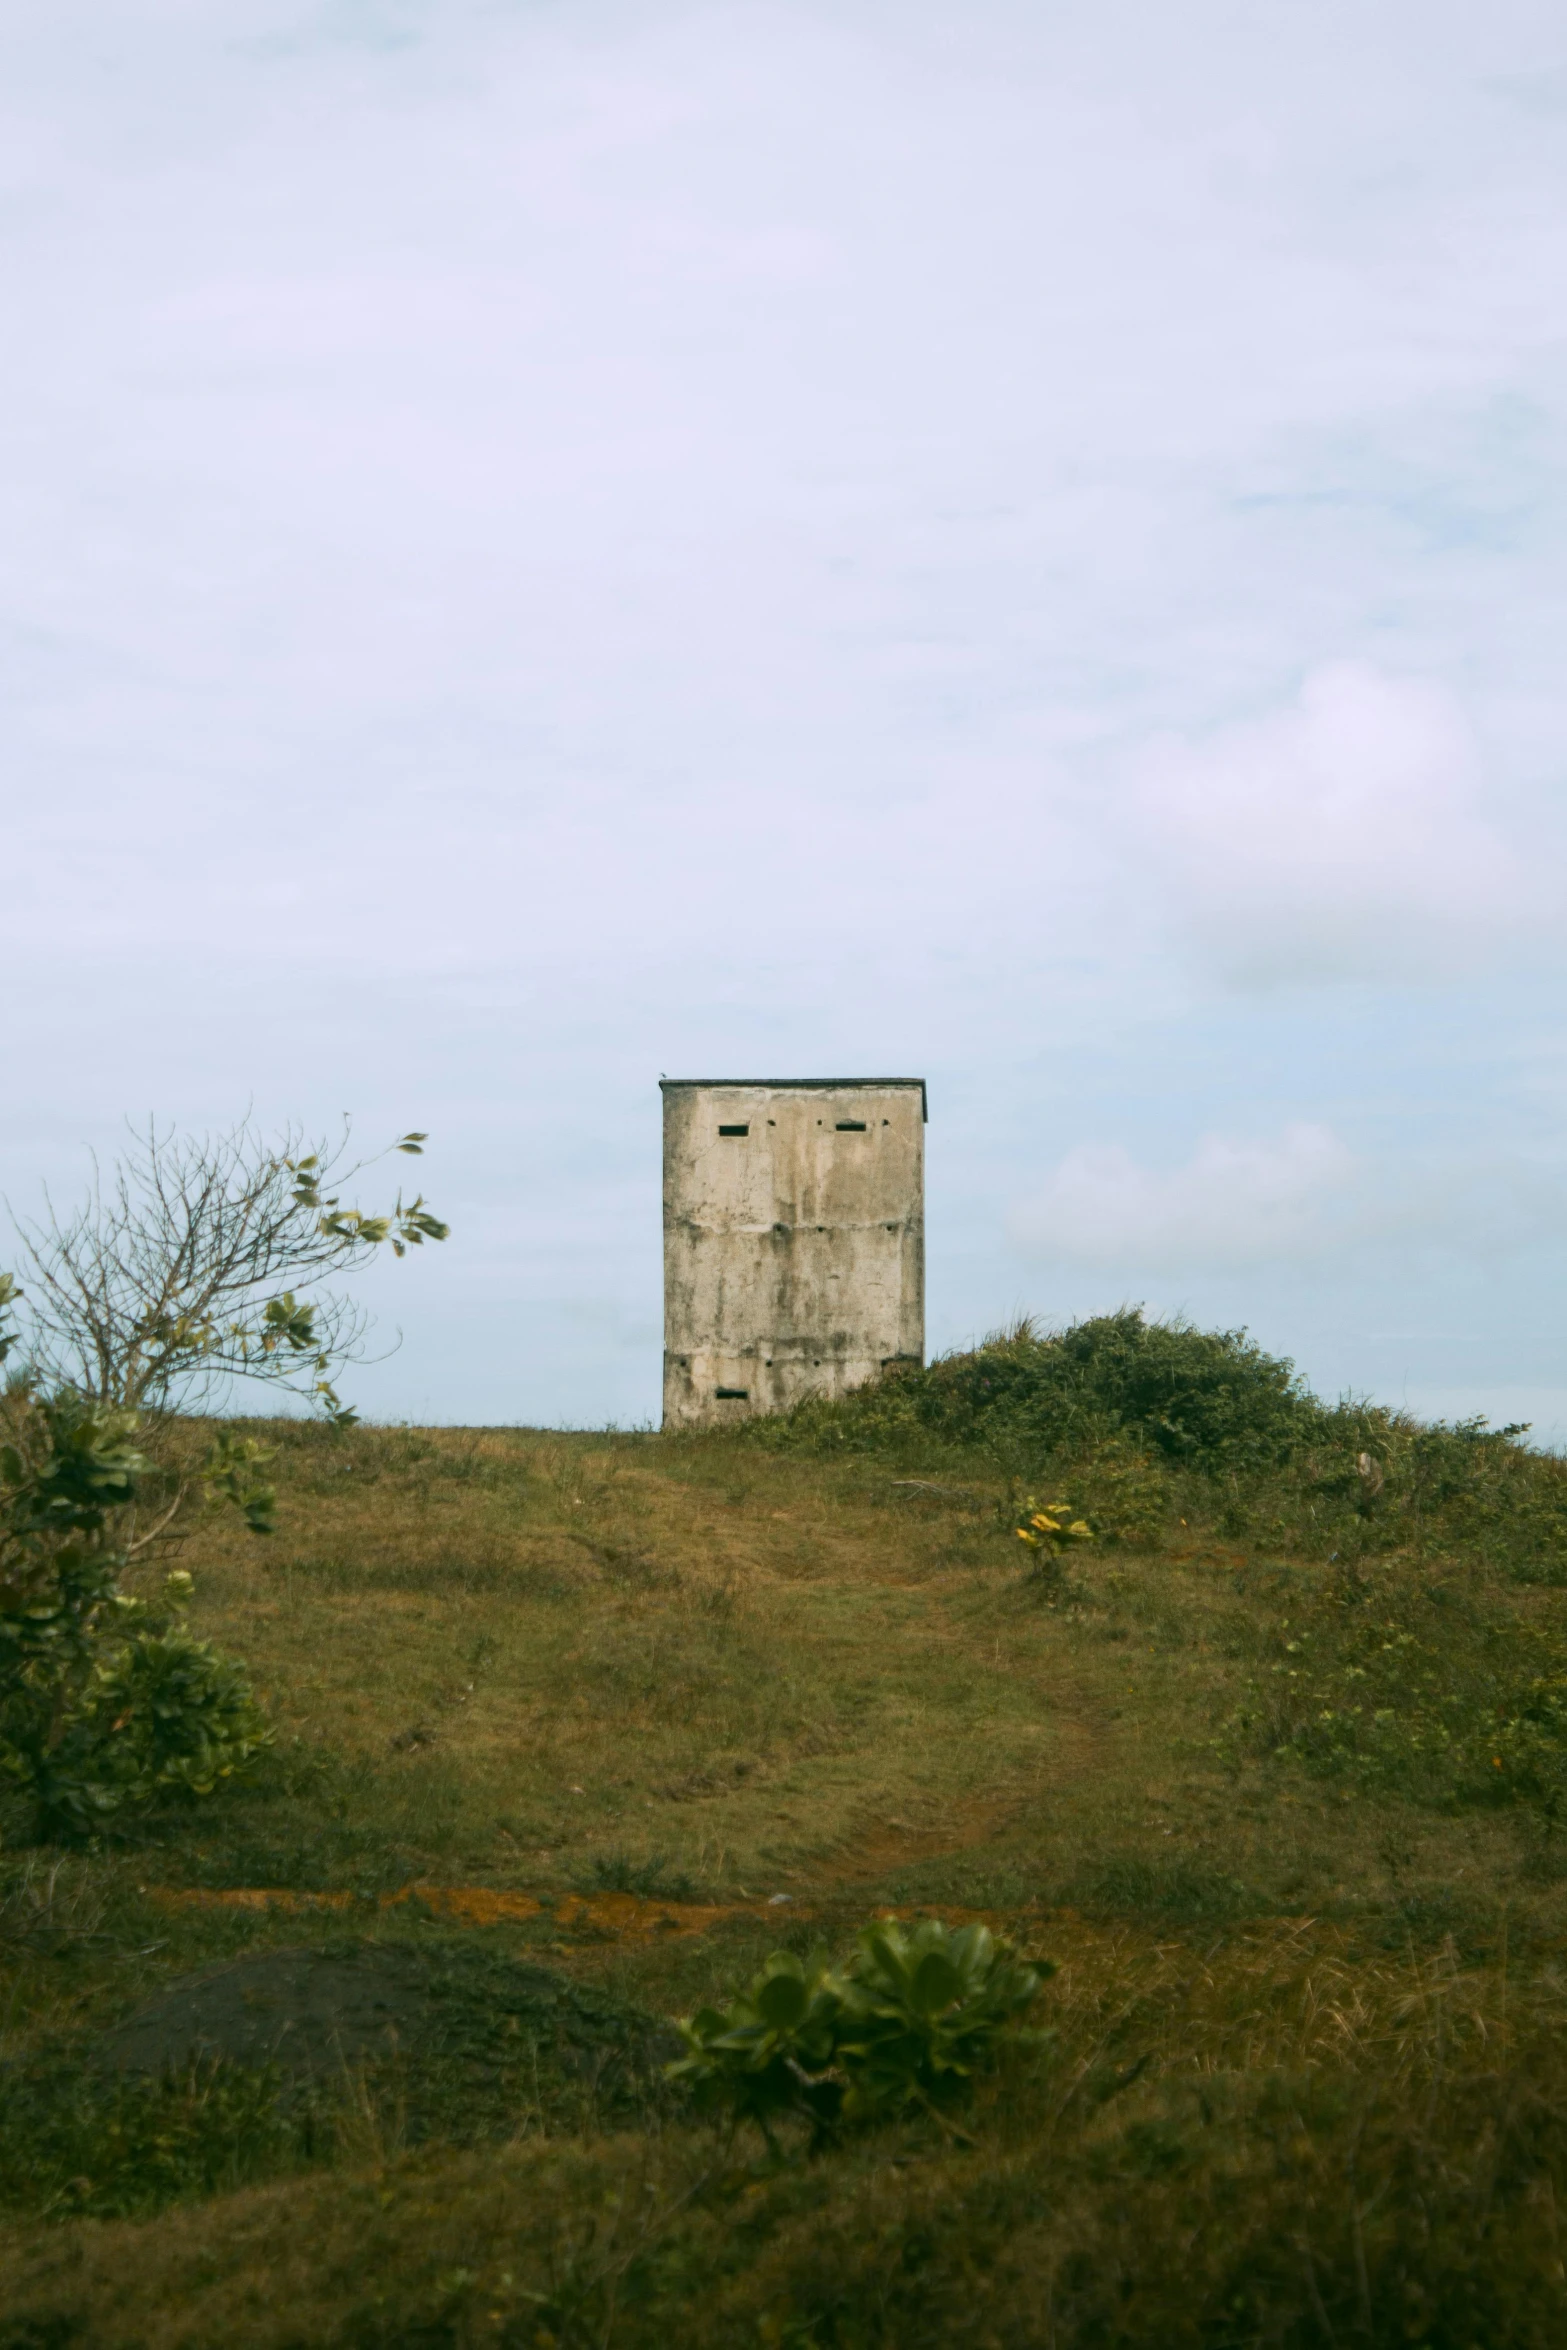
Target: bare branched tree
178,1275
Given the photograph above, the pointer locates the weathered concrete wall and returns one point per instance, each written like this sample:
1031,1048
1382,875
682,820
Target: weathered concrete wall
794,1244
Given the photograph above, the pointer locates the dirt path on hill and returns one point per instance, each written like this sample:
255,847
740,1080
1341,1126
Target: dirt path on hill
888,1843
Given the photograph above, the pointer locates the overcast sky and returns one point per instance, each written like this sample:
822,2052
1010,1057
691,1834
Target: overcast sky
1014,543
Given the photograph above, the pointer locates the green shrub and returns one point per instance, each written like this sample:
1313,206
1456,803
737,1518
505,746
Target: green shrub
1471,1487
177,1715
906,2020
1210,1400
1377,1484
1138,1424
105,1700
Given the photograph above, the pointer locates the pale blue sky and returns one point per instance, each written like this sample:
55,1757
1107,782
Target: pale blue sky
1019,544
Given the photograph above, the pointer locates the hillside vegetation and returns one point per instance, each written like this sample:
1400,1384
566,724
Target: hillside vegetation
572,1731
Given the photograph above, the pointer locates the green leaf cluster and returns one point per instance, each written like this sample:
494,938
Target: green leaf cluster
409,1225
906,2020
106,1700
180,1715
1050,1528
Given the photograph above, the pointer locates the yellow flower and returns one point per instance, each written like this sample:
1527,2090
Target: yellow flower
1045,1525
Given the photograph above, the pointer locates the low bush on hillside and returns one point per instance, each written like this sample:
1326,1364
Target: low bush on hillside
1138,1427
162,1288
106,1700
1207,1400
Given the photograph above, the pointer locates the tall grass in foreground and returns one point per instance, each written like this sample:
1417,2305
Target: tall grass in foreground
1263,2147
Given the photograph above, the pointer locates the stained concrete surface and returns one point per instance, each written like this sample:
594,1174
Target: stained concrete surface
794,1240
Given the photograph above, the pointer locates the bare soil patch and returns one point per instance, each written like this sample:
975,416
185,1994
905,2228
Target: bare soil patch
314,2012
469,2023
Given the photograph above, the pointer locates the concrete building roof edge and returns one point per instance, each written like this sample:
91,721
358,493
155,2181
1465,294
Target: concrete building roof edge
796,1085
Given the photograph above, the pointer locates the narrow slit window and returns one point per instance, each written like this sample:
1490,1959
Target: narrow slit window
733,1394
851,1126
734,1129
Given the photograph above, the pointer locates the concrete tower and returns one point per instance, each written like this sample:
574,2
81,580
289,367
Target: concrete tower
794,1239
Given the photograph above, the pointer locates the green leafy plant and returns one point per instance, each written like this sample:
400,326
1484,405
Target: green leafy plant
771,2051
180,1716
927,2011
105,1698
1049,1532
1050,1529
906,2020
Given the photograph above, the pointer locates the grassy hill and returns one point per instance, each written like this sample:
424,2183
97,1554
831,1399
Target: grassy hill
575,1729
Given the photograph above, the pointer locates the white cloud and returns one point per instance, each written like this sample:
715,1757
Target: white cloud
1233,1203
1342,836
1299,1197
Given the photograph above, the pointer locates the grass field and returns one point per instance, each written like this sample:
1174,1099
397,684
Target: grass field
581,1727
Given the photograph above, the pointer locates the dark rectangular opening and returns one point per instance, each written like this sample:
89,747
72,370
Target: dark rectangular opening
851,1126
734,1129
733,1394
